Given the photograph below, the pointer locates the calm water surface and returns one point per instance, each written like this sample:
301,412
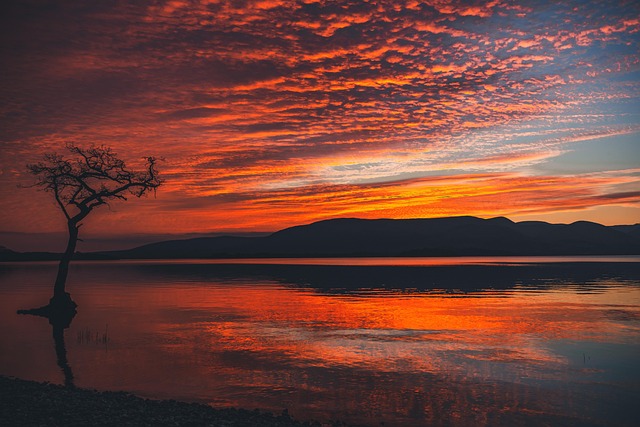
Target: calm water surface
488,341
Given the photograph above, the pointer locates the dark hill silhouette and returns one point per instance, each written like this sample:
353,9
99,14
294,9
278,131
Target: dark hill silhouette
456,236
7,254
633,230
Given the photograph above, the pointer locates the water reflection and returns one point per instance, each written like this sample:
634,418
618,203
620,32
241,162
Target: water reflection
58,324
527,344
61,354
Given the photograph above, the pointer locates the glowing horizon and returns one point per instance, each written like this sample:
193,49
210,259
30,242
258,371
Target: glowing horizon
280,113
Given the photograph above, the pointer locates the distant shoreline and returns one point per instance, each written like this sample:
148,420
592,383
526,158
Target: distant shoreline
352,237
420,261
33,403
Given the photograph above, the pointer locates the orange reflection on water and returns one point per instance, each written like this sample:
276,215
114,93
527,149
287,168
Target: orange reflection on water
382,331
405,356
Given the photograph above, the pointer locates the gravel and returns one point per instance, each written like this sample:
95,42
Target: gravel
29,403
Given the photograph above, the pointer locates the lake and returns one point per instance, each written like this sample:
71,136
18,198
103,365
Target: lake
402,341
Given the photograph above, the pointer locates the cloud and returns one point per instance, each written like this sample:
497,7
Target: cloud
251,98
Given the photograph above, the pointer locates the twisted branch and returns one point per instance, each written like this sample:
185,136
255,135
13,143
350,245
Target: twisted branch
92,178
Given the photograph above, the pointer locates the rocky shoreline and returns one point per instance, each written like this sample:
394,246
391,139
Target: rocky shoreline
29,403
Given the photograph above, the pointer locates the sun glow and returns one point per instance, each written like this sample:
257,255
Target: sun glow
392,109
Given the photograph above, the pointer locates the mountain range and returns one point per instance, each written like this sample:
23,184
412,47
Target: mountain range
347,237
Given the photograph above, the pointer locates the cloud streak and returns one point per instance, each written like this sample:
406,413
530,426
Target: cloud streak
261,106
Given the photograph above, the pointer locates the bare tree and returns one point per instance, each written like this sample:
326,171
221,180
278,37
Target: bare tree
92,177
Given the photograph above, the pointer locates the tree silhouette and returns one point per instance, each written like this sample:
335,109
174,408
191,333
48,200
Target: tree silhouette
92,177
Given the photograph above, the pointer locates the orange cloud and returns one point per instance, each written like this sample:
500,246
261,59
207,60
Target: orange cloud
280,112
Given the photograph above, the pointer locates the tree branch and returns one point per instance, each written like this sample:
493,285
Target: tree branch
90,180
62,206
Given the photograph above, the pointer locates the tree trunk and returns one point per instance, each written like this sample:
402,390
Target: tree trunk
63,268
61,308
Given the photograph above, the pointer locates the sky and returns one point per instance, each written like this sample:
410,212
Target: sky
273,113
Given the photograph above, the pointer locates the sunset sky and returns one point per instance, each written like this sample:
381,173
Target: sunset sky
275,113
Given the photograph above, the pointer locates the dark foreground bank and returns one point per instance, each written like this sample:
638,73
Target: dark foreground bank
29,403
